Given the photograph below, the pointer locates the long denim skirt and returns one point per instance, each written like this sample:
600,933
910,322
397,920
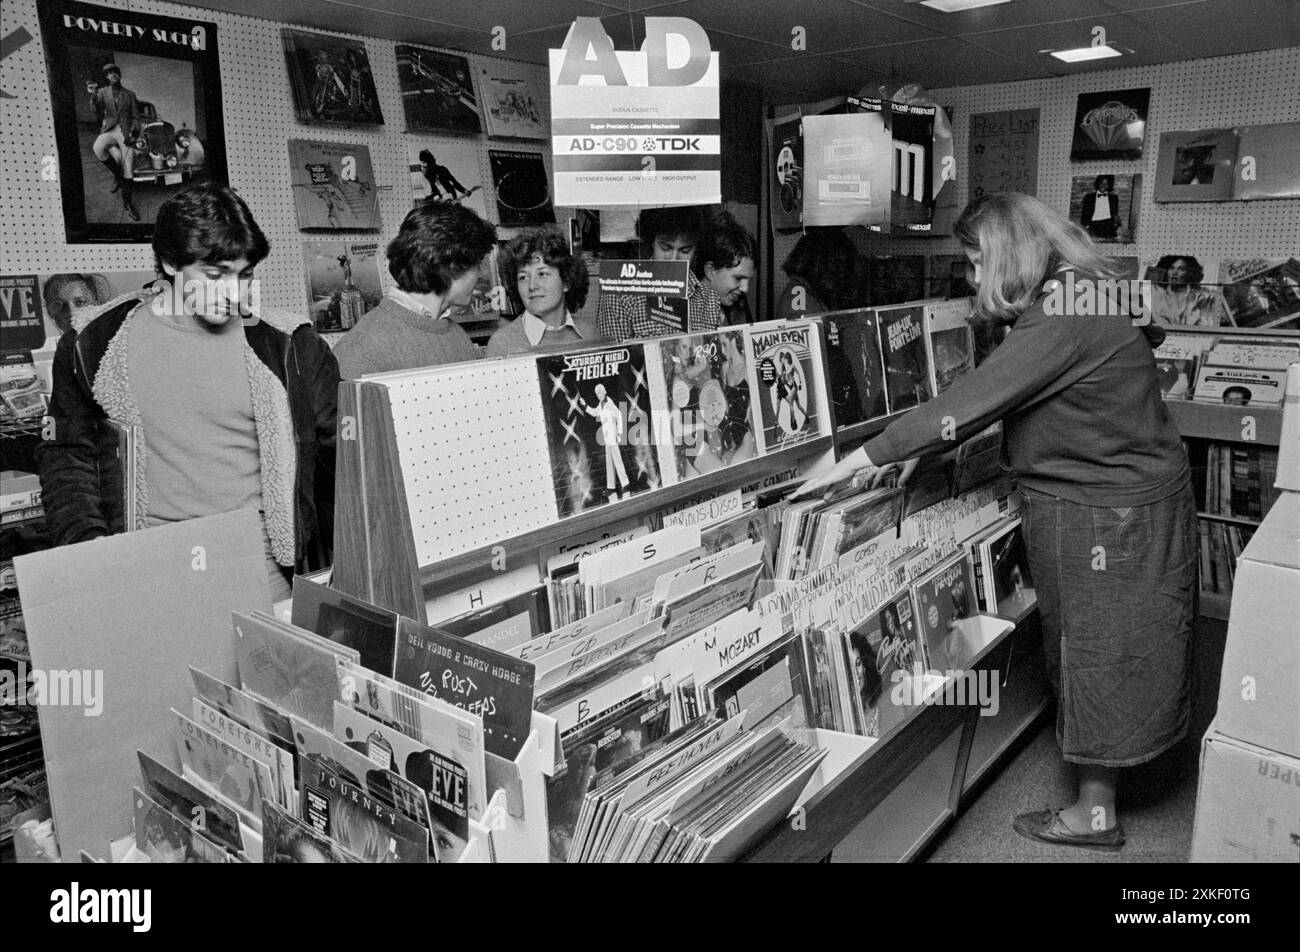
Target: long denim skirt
1117,593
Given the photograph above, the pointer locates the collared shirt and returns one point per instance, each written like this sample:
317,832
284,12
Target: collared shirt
411,304
624,316
1101,207
535,328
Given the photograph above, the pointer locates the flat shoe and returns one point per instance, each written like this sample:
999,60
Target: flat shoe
1048,827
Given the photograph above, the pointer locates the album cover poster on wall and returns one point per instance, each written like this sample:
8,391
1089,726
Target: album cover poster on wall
333,186
446,170
331,80
1196,166
343,282
1106,205
512,101
599,425
1110,125
137,114
522,187
437,92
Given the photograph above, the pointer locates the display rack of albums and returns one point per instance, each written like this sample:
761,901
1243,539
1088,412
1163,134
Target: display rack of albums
696,590
1223,387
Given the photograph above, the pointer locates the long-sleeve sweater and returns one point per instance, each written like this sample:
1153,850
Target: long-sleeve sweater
1080,402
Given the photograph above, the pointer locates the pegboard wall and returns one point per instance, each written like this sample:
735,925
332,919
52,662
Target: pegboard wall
1210,93
475,466
257,106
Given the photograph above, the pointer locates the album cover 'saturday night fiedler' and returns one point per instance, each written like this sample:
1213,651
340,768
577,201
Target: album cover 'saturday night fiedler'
599,425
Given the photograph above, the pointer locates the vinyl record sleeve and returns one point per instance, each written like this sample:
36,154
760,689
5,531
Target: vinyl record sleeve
333,186
907,363
785,377
600,426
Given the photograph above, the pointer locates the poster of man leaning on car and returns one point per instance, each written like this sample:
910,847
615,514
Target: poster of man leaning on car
137,114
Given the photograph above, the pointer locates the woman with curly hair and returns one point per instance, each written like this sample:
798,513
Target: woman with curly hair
548,283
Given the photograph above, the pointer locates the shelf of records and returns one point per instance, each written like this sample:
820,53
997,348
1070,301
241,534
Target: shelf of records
668,684
697,701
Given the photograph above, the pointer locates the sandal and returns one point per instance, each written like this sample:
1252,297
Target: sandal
1048,827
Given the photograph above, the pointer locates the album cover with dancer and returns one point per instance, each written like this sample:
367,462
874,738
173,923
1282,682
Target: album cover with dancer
784,377
600,426
713,420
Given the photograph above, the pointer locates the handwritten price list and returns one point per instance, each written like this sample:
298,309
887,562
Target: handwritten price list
1003,152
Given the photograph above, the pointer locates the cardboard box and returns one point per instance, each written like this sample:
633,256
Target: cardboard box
1259,690
1247,805
113,625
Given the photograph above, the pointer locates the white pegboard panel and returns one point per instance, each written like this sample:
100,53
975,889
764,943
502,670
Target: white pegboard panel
476,465
257,108
1222,91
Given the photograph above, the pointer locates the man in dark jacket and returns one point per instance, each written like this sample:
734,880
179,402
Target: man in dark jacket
1100,213
228,411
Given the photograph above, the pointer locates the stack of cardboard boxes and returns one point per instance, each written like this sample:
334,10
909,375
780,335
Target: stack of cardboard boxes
1248,803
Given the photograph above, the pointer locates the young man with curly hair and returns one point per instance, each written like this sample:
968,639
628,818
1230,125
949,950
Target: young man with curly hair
550,283
435,261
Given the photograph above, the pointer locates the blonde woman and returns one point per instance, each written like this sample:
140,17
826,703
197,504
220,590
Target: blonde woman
1109,512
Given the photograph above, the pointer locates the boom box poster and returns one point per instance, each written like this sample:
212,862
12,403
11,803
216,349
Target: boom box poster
599,426
137,114
784,379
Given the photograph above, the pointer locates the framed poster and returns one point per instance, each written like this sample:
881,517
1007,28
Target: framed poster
331,80
137,114
437,92
1196,166
1110,125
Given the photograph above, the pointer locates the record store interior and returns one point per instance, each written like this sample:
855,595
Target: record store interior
662,431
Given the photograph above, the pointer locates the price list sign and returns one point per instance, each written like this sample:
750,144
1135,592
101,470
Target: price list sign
1003,152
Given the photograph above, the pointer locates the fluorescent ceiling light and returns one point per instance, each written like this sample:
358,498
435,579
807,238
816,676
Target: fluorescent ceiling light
1084,53
956,6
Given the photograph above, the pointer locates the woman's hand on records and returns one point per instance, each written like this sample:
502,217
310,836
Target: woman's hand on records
822,482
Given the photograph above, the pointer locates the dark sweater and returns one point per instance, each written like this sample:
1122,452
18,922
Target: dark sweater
1080,402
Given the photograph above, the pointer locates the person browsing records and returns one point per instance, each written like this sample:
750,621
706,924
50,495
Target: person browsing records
674,233
550,284
435,261
724,260
1109,512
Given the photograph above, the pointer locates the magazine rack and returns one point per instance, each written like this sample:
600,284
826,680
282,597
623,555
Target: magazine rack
389,554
